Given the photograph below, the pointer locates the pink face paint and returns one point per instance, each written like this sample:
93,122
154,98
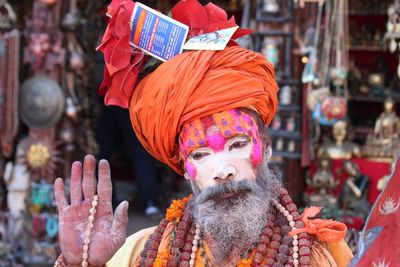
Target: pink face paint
214,130
216,141
191,170
256,155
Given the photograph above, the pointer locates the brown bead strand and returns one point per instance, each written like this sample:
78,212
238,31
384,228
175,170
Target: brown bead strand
284,247
266,237
144,251
155,241
304,240
265,240
150,243
272,250
179,241
187,248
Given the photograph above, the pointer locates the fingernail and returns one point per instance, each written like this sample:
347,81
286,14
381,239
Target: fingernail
103,161
126,206
89,156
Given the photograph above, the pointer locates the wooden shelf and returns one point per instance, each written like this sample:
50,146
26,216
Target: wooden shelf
289,155
366,48
363,130
285,134
289,108
370,99
365,13
392,35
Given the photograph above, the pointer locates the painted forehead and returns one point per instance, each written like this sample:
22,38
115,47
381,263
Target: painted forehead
213,131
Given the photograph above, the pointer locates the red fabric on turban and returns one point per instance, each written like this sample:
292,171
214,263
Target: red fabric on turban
196,84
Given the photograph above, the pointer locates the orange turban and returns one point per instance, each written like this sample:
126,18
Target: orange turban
196,84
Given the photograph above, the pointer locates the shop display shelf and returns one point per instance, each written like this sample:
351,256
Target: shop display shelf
285,134
289,155
370,48
289,108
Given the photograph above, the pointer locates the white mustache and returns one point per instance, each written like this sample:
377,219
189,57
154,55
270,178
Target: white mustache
230,187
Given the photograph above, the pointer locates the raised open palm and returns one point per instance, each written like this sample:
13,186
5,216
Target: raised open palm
109,230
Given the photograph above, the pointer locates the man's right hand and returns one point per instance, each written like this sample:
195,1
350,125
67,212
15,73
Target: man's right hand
109,231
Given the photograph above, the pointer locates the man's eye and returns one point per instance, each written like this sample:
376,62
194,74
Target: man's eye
198,155
238,144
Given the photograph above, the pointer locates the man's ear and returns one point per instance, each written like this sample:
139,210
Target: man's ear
268,152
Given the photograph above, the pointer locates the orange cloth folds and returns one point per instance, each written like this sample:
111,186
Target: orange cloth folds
325,230
196,84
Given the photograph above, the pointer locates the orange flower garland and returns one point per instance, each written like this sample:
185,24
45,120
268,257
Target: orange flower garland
162,259
245,263
175,211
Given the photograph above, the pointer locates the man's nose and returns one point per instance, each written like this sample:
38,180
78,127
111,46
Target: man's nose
223,171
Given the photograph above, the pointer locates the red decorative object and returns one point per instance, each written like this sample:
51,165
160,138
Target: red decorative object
380,237
122,61
205,19
334,107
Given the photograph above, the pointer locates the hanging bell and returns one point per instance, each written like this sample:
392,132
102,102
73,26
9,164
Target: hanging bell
70,109
70,22
76,61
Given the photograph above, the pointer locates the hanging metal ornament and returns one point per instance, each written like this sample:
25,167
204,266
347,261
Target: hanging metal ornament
71,20
7,15
41,157
41,102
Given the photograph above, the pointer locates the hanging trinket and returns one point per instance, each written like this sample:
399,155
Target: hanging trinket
271,51
292,146
51,225
285,95
9,90
40,156
291,124
41,102
279,144
270,6
71,20
42,194
7,16
277,122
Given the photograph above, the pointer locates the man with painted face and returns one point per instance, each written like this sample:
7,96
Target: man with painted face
205,114
206,119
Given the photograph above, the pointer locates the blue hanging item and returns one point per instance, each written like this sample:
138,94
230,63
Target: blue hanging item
51,226
43,194
319,116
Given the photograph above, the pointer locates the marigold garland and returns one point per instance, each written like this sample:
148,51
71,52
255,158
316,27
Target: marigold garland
244,263
162,259
176,210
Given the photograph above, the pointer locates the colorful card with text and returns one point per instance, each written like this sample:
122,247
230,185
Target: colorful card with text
211,41
158,35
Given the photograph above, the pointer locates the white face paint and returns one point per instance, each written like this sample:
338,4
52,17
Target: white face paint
232,163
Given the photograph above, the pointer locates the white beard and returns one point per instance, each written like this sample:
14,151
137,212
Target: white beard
232,226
